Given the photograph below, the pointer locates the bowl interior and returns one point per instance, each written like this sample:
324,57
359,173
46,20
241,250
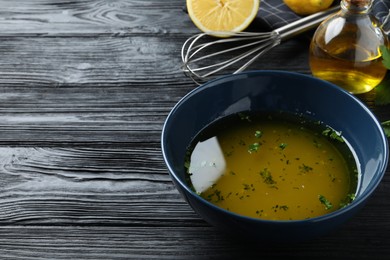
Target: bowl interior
278,91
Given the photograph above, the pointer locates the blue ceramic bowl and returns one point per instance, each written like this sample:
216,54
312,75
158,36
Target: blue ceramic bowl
275,90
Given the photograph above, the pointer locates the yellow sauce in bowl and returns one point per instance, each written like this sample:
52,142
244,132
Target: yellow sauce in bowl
272,166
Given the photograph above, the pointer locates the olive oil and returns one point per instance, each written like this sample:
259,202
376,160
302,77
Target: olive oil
345,48
353,68
272,166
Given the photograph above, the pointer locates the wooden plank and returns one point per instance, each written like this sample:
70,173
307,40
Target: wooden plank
74,115
115,61
124,242
89,185
92,17
55,62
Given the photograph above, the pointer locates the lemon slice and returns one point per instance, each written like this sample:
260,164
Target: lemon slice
222,15
306,7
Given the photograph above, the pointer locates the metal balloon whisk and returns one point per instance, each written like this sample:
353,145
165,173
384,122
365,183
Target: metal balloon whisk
201,54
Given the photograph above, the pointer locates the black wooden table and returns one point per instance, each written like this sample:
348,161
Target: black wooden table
85,87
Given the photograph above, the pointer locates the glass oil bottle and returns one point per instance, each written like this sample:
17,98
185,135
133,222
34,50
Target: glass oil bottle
345,48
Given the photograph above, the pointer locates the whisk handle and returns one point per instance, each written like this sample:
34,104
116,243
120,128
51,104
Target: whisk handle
309,22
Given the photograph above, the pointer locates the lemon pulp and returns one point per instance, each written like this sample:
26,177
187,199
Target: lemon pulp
222,15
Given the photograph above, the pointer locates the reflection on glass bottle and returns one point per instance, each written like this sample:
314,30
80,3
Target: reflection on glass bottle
345,48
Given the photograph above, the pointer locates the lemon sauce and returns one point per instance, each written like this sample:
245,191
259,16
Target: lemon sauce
272,166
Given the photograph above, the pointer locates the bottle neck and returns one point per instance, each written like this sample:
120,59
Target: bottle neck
356,6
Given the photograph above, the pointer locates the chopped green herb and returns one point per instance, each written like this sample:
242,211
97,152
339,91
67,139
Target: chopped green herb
332,134
280,207
316,143
258,134
325,202
347,200
187,164
267,177
217,194
253,147
284,207
230,153
244,117
282,146
305,168
332,177
246,186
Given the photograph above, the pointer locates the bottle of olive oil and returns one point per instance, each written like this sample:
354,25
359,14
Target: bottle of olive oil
345,48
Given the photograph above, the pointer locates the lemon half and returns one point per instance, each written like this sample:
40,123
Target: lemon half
306,7
222,15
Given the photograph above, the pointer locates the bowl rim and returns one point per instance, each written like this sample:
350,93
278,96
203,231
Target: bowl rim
359,201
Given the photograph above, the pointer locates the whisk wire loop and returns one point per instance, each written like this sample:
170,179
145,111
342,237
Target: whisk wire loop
261,43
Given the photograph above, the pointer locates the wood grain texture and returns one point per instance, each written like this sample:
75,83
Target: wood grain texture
93,17
203,242
85,87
